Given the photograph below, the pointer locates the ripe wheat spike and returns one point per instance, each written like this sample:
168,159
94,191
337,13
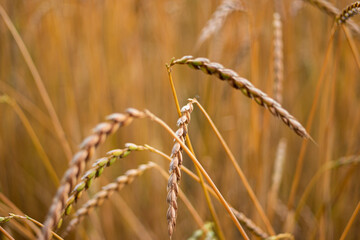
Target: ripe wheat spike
217,20
77,165
333,11
246,88
348,12
175,166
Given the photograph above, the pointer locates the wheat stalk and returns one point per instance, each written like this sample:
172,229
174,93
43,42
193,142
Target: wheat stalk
278,58
277,175
239,215
348,12
154,118
246,87
175,165
77,165
105,193
96,170
26,217
250,225
285,236
217,20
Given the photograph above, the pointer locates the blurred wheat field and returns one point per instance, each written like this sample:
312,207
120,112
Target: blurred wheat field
100,57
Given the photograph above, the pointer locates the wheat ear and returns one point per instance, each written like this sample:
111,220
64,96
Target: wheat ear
105,193
348,12
175,165
333,11
96,170
246,87
217,20
77,165
278,58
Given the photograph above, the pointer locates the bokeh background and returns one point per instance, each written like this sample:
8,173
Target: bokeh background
99,57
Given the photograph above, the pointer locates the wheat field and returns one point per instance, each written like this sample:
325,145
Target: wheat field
180,119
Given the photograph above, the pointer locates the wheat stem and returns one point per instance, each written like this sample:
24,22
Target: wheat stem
39,82
238,170
277,175
326,167
197,163
11,216
130,217
243,219
250,225
352,45
6,234
286,236
351,221
300,160
105,193
34,138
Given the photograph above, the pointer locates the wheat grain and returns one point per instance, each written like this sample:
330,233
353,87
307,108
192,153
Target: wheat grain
217,20
246,88
175,165
77,165
105,193
348,12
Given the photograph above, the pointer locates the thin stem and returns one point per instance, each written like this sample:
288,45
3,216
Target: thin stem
238,170
183,168
34,138
243,219
39,83
327,166
352,45
28,230
202,183
27,105
300,160
202,170
34,221
351,221
6,234
15,209
168,68
130,217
